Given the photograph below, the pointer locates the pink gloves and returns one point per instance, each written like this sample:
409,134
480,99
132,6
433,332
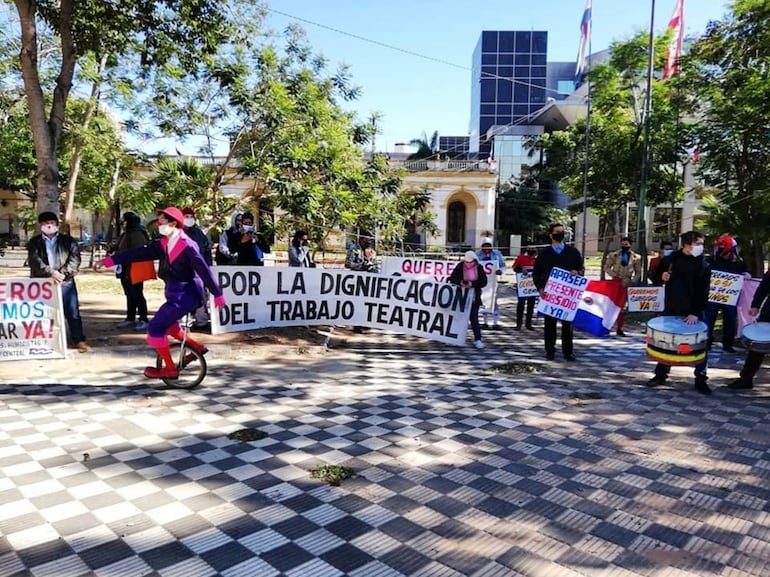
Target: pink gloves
219,301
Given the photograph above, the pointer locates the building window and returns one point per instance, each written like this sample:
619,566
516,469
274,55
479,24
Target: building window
455,228
565,86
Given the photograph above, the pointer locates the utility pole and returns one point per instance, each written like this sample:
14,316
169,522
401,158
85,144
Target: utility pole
641,235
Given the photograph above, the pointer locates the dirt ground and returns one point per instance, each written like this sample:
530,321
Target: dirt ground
103,306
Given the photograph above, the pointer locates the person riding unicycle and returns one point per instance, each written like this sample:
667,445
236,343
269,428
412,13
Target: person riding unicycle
185,273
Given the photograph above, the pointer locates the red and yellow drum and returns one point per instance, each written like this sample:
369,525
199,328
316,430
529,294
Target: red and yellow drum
672,341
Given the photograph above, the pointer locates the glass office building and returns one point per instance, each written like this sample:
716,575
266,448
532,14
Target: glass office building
508,82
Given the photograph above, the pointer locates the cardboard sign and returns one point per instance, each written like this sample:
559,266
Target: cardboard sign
259,297
725,288
525,286
563,292
643,299
439,271
31,320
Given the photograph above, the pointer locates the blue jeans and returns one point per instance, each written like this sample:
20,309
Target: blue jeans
69,296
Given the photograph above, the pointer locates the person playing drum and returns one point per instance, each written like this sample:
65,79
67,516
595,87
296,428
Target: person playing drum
686,276
754,358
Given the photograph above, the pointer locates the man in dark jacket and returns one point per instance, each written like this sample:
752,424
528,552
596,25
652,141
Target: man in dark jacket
56,255
249,245
686,276
565,257
754,359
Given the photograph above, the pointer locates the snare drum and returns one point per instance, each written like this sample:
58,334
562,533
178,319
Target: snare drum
672,341
756,337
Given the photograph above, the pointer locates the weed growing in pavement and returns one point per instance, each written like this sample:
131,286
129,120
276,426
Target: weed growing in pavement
331,474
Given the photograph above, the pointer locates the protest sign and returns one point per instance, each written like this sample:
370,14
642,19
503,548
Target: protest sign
646,299
563,292
439,271
725,287
750,286
31,320
262,297
525,286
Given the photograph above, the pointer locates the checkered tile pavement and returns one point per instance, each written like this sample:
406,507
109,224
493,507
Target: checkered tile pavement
463,469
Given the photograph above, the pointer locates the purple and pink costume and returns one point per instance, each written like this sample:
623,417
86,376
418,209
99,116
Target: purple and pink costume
185,274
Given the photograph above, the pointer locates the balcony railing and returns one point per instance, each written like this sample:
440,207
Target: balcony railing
444,165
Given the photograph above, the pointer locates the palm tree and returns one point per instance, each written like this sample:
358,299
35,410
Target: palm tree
425,148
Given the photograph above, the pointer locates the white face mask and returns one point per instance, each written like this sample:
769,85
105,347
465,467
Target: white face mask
697,249
49,229
165,229
188,222
248,228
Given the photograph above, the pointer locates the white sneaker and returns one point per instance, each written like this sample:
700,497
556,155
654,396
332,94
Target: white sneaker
125,324
478,344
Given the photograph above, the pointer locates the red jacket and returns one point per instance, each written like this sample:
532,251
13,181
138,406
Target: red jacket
524,261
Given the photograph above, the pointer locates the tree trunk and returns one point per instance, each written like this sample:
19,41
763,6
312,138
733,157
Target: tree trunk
46,135
93,103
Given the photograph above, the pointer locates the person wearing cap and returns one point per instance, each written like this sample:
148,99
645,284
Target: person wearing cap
489,254
200,238
134,235
470,274
250,245
563,256
725,258
185,272
53,254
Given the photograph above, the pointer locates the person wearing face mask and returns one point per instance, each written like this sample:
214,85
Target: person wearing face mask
524,264
568,258
249,244
185,272
299,251
191,229
653,271
224,255
686,276
470,274
725,258
55,255
489,254
623,266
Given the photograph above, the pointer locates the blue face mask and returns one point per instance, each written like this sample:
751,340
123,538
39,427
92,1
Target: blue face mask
668,252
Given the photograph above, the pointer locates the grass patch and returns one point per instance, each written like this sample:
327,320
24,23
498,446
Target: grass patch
514,368
332,474
247,435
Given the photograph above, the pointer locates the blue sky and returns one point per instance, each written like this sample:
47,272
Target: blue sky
417,95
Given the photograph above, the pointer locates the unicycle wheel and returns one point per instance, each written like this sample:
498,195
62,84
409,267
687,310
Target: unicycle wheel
191,364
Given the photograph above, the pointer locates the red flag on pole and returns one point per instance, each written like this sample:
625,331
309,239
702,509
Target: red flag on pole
674,49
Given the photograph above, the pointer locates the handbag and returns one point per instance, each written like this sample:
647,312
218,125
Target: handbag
142,271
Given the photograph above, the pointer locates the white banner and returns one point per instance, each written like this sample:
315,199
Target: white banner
525,286
439,271
31,320
725,287
563,292
260,297
646,299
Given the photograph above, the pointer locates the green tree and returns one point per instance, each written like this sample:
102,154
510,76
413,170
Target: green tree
618,89
727,79
425,148
159,33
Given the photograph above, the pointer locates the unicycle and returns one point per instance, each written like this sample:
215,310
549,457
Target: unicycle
190,363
